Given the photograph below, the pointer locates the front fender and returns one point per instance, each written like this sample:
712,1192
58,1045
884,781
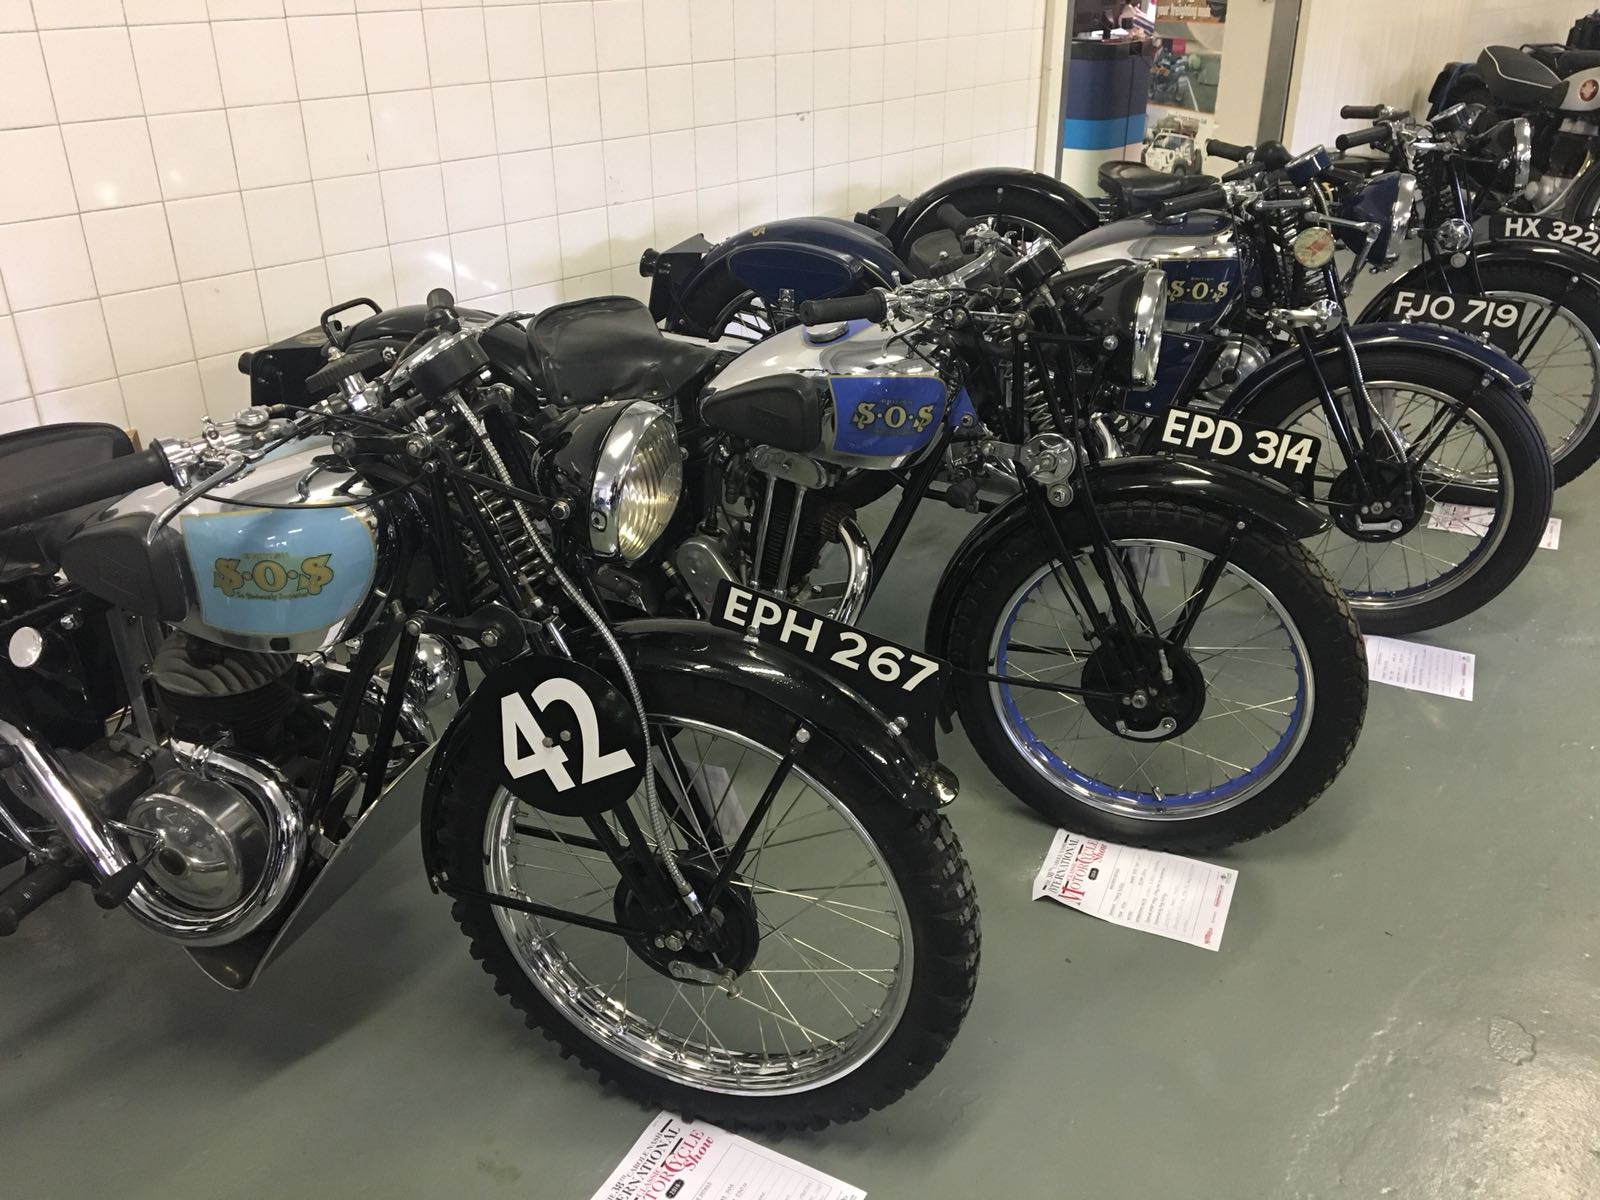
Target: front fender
1507,252
1144,477
661,650
813,257
1385,335
999,180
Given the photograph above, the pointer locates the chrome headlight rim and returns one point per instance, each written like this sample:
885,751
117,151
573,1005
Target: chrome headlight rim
640,430
1149,317
1521,153
1405,207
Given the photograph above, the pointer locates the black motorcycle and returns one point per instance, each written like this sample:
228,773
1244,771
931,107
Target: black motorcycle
1557,90
1530,288
709,872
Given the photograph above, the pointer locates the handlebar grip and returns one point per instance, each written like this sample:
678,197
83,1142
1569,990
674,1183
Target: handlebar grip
103,482
1361,112
1361,137
1210,198
952,218
1229,150
873,306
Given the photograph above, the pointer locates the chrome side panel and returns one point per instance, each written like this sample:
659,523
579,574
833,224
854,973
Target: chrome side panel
871,373
1198,236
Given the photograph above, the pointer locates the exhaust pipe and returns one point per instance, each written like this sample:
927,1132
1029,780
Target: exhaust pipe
47,784
260,782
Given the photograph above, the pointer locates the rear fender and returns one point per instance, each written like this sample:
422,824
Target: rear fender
812,257
1000,181
1211,486
661,650
1386,335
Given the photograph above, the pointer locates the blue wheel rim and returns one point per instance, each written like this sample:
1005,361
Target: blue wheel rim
1129,801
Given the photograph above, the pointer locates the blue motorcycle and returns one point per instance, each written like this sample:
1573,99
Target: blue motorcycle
1431,467
1437,479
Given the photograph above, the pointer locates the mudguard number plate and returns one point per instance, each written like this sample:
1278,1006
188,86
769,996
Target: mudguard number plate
1583,238
895,679
1500,321
1290,458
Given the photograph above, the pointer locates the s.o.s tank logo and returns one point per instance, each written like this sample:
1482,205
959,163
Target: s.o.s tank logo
272,576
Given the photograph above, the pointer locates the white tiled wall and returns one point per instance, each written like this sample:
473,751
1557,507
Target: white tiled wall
1381,52
186,179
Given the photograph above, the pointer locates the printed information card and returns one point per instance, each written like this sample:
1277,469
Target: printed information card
1467,518
688,1160
1431,669
1179,898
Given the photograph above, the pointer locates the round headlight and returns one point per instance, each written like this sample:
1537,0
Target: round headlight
637,478
1149,314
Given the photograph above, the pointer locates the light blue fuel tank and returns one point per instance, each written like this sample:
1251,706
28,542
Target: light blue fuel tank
252,564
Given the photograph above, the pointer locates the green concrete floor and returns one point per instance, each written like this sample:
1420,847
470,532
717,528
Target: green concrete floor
1405,1004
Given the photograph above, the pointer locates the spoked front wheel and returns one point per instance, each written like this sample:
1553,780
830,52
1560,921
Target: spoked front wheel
1416,545
1262,695
849,928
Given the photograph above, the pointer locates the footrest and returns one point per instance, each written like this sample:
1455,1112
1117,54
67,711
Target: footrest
32,890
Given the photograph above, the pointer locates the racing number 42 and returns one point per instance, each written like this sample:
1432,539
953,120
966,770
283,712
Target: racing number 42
546,754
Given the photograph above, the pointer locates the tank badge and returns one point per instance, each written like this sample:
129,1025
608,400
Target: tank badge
272,576
891,416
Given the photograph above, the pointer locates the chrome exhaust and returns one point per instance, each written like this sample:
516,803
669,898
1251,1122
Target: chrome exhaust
858,565
47,783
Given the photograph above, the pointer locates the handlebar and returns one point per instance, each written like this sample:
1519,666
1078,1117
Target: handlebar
1229,150
1361,137
103,482
873,306
1373,112
1210,198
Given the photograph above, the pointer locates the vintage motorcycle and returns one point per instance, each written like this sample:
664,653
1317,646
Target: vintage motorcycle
1142,648
1437,477
1541,286
714,875
1557,90
1418,540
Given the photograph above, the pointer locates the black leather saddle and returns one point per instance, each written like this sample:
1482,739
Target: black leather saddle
1520,80
32,456
608,348
1137,188
1562,60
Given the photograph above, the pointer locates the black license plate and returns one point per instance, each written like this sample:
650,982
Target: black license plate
1483,317
1583,238
898,681
1290,458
